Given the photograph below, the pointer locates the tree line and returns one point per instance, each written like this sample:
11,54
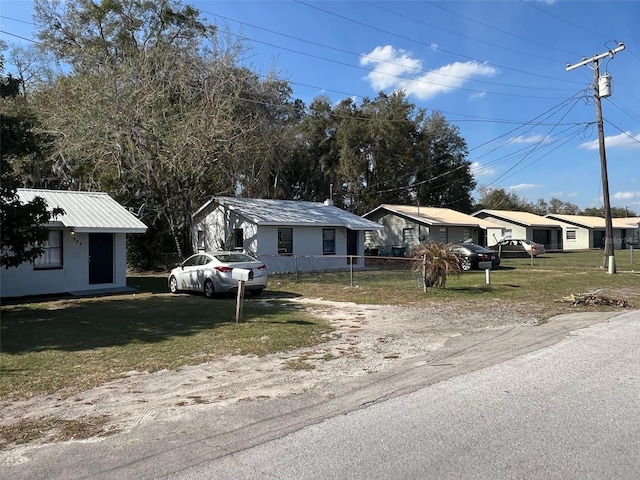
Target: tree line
153,104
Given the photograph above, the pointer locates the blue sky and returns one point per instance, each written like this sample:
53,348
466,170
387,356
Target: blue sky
495,69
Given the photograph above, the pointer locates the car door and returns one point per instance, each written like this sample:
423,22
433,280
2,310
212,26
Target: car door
188,272
200,272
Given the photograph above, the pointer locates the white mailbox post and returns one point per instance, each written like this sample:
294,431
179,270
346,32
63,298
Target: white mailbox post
242,275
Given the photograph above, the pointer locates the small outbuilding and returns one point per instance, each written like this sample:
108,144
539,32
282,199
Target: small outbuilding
86,249
287,235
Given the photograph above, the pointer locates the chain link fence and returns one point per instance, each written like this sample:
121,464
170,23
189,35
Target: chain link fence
347,270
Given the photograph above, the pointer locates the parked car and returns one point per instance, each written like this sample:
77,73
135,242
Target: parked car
472,255
516,247
211,273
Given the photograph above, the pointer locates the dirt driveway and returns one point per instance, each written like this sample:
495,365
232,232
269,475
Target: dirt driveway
367,339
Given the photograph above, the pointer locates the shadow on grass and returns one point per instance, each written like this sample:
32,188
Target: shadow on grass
85,324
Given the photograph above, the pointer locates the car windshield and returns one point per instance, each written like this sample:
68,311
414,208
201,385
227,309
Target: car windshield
234,257
477,248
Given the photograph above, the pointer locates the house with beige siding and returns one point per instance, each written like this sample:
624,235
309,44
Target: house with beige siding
407,226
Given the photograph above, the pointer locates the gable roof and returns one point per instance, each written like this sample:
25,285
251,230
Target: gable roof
290,213
86,211
523,218
588,221
435,216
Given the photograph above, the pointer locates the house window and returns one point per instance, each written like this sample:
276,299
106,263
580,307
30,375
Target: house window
52,256
328,241
442,234
238,235
571,234
285,241
408,236
201,245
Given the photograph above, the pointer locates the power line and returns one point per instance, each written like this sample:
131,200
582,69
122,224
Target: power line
357,22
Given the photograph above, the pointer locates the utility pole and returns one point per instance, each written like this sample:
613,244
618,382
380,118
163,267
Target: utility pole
608,243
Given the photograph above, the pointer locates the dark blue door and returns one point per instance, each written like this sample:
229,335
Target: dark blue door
352,246
100,258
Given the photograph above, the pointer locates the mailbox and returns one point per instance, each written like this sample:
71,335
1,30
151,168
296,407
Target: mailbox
242,274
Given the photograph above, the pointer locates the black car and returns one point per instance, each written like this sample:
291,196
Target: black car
474,256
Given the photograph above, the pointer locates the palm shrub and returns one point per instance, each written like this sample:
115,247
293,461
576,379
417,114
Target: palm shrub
435,262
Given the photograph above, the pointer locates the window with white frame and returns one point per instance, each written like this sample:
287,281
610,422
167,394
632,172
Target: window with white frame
408,236
442,234
571,234
52,255
285,241
328,241
201,240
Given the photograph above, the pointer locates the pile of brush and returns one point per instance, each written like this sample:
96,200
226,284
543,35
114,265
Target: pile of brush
595,299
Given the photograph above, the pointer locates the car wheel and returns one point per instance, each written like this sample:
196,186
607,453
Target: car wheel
173,284
465,264
209,289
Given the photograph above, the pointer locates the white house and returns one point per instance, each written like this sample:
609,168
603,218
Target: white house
584,231
86,250
286,235
547,231
407,226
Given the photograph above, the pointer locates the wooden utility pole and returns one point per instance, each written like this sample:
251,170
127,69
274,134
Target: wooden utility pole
608,243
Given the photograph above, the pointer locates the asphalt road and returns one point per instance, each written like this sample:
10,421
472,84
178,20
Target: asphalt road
569,411
555,401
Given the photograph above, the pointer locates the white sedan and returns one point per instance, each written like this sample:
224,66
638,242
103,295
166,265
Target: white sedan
211,273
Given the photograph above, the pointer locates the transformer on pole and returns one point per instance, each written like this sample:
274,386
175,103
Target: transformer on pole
602,88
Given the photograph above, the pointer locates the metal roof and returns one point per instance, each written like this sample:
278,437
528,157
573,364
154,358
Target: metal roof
87,211
437,216
595,222
523,218
291,213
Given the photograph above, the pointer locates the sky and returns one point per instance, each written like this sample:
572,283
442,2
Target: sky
497,70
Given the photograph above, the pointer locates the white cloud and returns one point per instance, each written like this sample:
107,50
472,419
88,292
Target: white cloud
478,95
626,195
624,141
524,186
395,69
479,171
530,139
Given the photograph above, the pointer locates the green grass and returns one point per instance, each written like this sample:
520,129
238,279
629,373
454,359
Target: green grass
537,287
66,345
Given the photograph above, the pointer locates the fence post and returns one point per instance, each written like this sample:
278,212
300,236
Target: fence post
351,269
424,273
295,257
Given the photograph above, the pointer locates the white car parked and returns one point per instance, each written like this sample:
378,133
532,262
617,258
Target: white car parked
211,273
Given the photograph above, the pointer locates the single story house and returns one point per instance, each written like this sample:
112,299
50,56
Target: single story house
546,231
287,235
406,226
86,250
583,231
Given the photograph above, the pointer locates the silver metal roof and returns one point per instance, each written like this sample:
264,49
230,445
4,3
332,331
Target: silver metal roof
87,211
292,213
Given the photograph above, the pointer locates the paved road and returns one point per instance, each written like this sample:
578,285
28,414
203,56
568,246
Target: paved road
570,411
555,401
